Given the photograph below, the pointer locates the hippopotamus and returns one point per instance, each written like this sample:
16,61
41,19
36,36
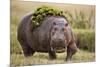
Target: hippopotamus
55,33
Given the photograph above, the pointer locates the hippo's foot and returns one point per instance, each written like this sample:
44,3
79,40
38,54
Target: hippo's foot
28,51
52,55
68,59
27,54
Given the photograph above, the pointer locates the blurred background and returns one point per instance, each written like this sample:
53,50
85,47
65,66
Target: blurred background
80,17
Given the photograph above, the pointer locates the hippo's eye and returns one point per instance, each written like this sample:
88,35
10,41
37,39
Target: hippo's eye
66,24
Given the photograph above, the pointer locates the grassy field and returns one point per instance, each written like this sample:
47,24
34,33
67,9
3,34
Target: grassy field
43,58
19,9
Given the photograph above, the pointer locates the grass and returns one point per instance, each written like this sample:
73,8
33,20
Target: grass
86,39
43,58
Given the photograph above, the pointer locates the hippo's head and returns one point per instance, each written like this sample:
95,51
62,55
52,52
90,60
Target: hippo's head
60,33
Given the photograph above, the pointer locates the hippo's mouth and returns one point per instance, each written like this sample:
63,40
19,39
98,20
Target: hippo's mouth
58,45
59,48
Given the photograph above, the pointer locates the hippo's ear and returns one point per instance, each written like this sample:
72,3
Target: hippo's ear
66,24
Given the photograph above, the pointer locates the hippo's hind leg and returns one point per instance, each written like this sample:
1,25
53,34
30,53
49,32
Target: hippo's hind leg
71,50
27,50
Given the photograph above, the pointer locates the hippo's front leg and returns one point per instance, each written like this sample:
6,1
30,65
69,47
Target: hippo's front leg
52,53
71,50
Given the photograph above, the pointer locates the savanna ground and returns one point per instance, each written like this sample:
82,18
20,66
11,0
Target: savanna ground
81,18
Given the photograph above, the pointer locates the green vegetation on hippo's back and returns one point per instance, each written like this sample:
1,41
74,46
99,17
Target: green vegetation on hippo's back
40,13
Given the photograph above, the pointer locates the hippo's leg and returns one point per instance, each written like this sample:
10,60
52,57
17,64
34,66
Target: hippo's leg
52,54
71,50
27,50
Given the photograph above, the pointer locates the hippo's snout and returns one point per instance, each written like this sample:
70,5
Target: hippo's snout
59,40
58,43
